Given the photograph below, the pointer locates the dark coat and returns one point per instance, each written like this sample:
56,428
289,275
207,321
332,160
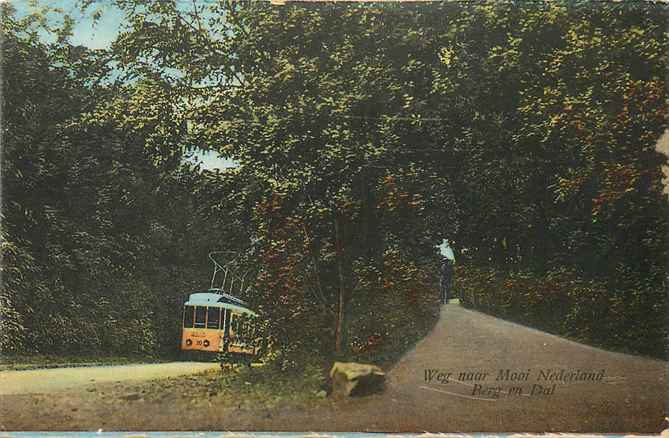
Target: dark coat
447,270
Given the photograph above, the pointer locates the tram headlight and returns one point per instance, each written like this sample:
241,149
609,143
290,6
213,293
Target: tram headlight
189,342
206,343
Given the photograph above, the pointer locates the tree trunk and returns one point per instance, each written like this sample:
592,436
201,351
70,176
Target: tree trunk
340,314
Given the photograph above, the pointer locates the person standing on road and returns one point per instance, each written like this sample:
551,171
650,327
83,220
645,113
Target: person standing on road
446,271
446,280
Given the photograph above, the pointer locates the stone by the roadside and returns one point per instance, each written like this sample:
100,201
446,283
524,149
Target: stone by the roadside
350,378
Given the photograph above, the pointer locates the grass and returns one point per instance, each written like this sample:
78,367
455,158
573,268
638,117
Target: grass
269,387
257,389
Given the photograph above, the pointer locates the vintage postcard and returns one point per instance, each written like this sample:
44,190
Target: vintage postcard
333,217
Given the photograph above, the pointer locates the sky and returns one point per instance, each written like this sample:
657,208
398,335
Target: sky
211,160
101,36
96,37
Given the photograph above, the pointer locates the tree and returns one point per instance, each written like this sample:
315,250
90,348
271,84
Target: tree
92,261
523,132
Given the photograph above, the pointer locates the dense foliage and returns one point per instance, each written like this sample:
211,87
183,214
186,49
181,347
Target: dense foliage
524,133
630,317
103,225
577,219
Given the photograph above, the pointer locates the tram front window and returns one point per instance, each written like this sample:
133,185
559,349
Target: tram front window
213,317
200,316
188,316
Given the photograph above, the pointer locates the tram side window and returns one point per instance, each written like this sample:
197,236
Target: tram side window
200,315
213,317
188,316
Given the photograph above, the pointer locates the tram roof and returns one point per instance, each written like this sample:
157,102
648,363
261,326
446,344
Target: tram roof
213,299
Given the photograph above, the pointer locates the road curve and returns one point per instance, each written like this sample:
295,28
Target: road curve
60,379
630,396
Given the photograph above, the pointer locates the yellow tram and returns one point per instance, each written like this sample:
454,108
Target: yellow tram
216,322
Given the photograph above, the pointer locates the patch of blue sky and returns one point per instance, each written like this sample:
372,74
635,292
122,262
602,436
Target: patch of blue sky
99,35
86,31
210,160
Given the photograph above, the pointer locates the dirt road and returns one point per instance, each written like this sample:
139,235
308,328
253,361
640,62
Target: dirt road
630,396
61,379
627,395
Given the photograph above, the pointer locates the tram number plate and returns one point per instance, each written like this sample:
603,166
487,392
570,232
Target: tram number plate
198,342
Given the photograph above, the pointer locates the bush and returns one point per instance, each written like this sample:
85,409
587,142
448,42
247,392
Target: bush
18,277
390,316
624,313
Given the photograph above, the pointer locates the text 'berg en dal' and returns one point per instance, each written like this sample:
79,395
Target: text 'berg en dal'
543,381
